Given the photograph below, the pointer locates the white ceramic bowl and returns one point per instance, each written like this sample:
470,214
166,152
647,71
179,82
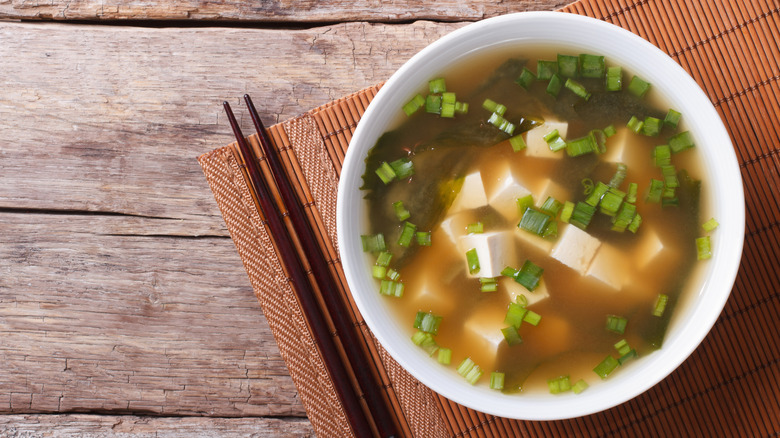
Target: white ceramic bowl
690,323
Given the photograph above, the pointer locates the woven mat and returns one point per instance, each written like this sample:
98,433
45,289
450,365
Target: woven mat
730,386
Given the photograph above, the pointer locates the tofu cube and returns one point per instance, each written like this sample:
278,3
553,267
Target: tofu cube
454,225
649,247
530,241
550,188
424,297
483,330
472,194
575,248
537,146
513,289
616,146
503,197
495,251
610,267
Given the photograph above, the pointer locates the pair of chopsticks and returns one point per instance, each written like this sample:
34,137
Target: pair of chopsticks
379,411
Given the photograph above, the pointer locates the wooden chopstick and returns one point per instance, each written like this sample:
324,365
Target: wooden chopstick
341,380
336,306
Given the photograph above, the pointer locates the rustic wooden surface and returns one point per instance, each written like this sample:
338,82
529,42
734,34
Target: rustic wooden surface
124,307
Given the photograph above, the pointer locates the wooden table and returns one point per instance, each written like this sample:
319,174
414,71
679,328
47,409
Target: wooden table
124,307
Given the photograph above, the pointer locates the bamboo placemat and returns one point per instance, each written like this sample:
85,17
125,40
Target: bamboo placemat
730,386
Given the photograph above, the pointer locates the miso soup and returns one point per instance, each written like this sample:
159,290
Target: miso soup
534,219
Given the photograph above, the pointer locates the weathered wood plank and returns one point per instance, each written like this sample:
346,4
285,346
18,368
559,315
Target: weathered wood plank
269,11
86,426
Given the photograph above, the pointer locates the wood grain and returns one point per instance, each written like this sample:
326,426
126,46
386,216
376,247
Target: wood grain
284,11
120,290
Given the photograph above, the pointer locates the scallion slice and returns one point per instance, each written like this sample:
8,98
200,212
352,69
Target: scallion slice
606,367
407,234
445,355
582,215
638,86
635,124
652,126
469,370
526,78
496,380
598,192
425,341
710,225
534,221
392,274
437,86
424,238
622,347
433,104
703,248
611,201
383,259
414,105
391,288
472,259
592,66
577,88
403,168
514,315
624,217
385,172
555,85
546,69
655,192
614,79
583,145
427,322
635,223
559,385
532,318
580,386
551,206
524,203
672,118
488,284
518,143
662,155
373,242
670,176
557,143
475,228
610,130
680,142
568,66
529,275
378,272
461,107
616,324
619,176
633,188
568,209
501,123
511,335
494,107
629,355
660,305
400,211
551,230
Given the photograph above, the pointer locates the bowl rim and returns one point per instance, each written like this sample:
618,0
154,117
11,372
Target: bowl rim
721,160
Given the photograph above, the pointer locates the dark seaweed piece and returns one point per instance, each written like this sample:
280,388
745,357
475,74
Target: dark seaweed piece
508,71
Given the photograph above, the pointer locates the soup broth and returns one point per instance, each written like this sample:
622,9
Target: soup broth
579,288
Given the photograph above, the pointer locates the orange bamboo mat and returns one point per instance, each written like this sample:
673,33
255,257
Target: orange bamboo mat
730,386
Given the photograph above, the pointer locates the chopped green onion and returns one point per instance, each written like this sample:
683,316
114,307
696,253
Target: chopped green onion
635,223
555,85
534,221
670,176
414,105
445,356
518,143
556,143
703,248
587,185
568,209
488,284
670,202
383,259
373,243
433,104
580,386
592,66
629,355
551,230
447,110
710,225
391,288
400,211
680,142
494,107
619,176
385,172
378,272
448,98
427,322
582,215
622,347
521,300
583,145
656,191
638,86
598,192
559,384
511,335
424,238
672,118
514,315
610,130
551,206
403,168
635,124
651,126
662,155
526,78
624,217
393,275
616,324
550,136
496,380
461,107
614,80
501,123
475,228
532,318
546,69
577,88
469,370
660,305
425,341
524,203
472,260
601,140
568,66
407,234
633,188
611,202
437,86
606,367
529,275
